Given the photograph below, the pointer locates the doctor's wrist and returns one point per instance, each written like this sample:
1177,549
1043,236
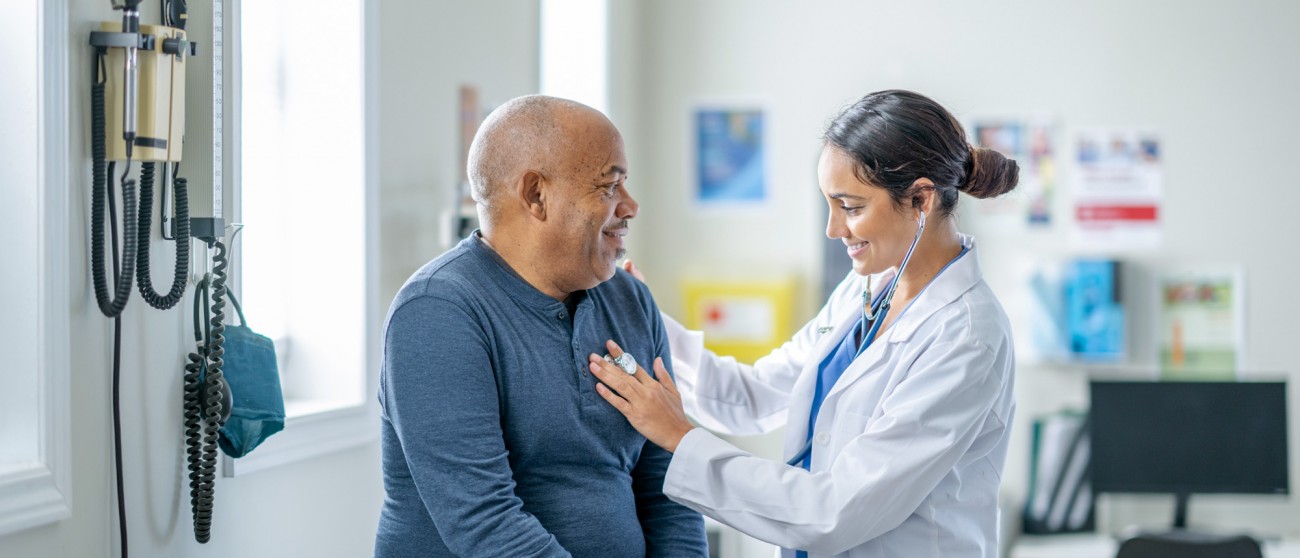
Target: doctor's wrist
675,439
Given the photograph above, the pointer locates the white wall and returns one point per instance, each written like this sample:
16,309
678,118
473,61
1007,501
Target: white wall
329,506
1217,80
428,50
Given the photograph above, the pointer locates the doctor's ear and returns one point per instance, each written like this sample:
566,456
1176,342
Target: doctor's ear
923,195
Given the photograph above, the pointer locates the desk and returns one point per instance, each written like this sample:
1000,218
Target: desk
1103,546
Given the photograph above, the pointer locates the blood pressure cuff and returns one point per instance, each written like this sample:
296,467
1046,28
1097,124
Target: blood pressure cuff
250,370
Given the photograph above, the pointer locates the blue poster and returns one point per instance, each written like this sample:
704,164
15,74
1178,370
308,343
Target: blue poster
730,166
1095,311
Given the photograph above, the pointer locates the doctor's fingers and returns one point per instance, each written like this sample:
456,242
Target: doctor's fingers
666,379
629,267
614,350
618,402
641,375
613,376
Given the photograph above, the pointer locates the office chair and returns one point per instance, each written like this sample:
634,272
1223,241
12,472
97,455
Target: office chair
1182,544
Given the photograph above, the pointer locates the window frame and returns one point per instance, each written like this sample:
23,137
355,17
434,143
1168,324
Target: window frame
40,492
334,428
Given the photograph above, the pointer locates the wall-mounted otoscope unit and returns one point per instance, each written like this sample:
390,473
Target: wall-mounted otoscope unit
140,90
137,115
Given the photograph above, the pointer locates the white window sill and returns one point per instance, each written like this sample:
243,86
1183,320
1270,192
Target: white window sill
313,428
30,496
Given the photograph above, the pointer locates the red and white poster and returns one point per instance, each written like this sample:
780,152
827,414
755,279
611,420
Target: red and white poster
1118,187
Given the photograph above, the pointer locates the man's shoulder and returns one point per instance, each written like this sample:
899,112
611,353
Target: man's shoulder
623,285
450,277
625,291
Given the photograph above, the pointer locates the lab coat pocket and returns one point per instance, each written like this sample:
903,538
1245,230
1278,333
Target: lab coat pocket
849,425
850,421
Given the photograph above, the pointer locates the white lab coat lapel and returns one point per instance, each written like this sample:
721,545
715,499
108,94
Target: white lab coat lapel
960,277
805,387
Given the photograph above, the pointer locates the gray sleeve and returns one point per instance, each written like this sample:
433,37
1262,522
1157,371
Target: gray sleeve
441,397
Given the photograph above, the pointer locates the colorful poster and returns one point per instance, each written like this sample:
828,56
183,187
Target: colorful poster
1030,142
730,162
1095,311
1119,183
1201,325
742,319
1078,313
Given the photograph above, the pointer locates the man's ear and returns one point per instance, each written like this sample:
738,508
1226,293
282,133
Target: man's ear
532,194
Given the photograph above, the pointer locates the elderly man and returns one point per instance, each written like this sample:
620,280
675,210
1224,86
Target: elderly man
495,442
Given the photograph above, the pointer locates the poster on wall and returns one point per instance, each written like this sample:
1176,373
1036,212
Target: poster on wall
741,319
1078,312
729,158
1201,324
1028,140
1119,183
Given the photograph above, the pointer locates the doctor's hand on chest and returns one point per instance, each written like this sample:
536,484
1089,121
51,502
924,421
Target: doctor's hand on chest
651,404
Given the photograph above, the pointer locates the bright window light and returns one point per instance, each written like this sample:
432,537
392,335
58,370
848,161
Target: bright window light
20,222
575,47
303,195
35,452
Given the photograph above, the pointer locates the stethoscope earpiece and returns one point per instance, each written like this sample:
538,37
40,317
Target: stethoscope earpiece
876,315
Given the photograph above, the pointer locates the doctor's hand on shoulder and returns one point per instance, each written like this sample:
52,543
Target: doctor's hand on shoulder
651,404
629,267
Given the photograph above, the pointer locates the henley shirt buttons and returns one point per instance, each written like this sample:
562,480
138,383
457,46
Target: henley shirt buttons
559,315
822,438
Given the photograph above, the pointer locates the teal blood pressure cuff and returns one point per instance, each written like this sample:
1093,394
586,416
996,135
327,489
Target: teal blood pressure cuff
258,405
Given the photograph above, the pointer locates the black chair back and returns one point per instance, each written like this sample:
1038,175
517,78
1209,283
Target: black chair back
1193,546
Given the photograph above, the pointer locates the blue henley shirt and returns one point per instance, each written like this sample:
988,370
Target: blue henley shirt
495,442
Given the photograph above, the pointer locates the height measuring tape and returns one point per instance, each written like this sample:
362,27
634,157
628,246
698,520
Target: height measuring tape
218,112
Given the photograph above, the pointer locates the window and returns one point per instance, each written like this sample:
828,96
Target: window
306,199
34,421
575,48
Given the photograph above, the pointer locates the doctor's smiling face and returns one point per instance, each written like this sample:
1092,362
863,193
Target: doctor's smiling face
876,231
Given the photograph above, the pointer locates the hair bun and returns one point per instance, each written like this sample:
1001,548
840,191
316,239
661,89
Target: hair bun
991,174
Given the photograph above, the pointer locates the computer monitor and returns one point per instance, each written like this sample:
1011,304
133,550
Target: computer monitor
1189,437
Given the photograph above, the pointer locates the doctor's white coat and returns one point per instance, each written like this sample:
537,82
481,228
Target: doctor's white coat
909,445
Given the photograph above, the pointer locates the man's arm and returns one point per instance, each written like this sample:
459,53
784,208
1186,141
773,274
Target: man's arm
671,529
441,397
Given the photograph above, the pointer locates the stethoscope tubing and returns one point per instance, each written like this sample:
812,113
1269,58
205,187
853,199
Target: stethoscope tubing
875,317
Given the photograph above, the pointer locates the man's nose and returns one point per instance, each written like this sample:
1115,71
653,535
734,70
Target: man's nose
627,206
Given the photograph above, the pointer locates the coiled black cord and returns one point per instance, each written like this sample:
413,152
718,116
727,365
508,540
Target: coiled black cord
143,277
194,370
100,177
207,398
212,397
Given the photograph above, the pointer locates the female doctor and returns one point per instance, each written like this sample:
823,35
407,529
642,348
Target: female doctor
896,397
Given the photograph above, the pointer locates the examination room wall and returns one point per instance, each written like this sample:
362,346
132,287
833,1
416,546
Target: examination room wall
327,506
1217,80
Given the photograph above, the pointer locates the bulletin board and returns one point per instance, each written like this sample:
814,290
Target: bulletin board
742,319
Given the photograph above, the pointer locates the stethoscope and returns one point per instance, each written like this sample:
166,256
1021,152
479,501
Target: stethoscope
875,316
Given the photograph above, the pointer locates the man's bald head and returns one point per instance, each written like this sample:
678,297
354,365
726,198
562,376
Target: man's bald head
526,133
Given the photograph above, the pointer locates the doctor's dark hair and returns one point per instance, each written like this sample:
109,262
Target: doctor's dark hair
896,137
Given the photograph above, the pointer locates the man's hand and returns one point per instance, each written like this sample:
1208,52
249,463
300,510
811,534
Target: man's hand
652,406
